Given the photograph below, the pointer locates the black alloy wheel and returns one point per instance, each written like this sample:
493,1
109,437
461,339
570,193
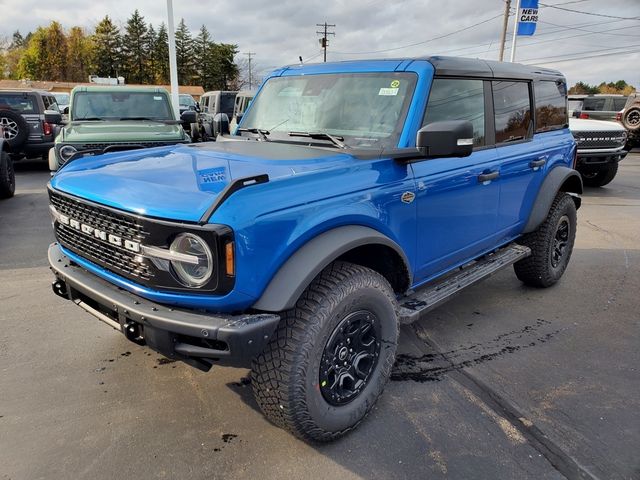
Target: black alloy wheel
349,357
560,241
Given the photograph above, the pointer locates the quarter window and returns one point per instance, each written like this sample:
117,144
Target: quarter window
512,105
458,99
551,105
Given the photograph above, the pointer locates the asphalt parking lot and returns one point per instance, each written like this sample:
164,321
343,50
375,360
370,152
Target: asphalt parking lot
503,382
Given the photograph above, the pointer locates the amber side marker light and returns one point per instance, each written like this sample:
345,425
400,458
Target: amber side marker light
230,260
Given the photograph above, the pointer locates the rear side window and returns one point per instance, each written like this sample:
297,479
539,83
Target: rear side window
458,99
619,103
551,105
18,103
593,104
512,105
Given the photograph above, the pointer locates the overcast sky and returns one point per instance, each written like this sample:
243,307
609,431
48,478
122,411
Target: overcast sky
279,31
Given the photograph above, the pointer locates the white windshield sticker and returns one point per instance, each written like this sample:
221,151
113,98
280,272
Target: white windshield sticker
157,98
388,91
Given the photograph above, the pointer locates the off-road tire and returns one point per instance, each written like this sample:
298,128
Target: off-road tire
631,119
286,376
16,122
601,176
538,269
7,176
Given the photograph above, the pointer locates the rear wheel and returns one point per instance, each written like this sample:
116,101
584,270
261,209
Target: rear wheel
331,356
7,176
599,176
631,119
14,128
551,245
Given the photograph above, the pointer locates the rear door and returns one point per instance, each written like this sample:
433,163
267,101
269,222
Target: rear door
457,198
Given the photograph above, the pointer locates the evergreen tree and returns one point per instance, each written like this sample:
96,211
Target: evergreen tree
107,49
204,56
226,71
184,54
161,56
135,50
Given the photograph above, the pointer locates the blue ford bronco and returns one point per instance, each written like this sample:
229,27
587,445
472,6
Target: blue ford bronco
353,197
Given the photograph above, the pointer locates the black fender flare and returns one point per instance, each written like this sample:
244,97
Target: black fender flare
559,178
308,261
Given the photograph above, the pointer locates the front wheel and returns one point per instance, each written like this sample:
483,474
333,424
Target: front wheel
600,176
551,245
331,356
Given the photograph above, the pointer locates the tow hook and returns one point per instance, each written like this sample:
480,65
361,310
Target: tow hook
60,289
133,332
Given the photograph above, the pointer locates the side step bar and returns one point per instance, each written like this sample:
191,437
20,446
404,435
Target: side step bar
436,293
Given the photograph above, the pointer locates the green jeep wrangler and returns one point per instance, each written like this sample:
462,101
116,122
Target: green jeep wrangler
114,118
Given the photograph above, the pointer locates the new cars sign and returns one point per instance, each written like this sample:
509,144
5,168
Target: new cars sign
527,17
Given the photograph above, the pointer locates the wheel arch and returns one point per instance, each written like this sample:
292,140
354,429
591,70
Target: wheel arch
559,179
352,243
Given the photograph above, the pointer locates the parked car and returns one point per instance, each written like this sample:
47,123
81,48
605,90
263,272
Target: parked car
7,174
356,196
114,118
212,104
598,107
22,117
601,146
629,117
243,99
63,101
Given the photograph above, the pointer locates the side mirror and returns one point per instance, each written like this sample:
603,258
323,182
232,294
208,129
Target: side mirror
239,117
53,117
197,106
220,124
65,111
189,116
446,139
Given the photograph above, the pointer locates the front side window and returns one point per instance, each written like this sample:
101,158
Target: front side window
458,99
364,109
551,105
512,106
121,106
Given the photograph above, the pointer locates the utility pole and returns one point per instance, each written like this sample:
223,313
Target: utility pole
515,31
323,41
505,25
250,54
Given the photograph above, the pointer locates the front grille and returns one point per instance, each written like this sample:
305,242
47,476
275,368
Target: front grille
596,139
98,148
112,257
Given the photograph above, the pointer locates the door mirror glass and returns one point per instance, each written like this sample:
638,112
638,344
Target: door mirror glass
452,138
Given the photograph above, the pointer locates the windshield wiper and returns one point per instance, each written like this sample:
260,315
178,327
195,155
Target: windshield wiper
258,131
337,141
88,119
123,119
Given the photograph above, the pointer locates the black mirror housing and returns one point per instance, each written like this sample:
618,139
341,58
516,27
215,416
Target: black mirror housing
446,139
65,111
53,117
189,116
220,124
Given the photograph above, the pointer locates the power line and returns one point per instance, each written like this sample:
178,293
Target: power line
423,42
592,31
578,53
584,57
589,13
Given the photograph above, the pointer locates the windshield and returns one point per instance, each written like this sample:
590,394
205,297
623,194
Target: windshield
62,98
120,106
187,101
365,109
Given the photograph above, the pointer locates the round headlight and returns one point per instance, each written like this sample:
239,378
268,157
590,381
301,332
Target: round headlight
67,152
192,274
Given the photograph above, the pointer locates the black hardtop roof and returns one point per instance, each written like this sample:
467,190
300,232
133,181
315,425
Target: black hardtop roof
476,67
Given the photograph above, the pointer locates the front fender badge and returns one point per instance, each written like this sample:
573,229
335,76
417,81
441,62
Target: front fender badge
408,197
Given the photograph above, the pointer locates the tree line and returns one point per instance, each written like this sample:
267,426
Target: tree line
620,87
139,52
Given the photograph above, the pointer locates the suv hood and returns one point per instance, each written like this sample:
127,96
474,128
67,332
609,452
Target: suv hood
121,131
182,181
586,125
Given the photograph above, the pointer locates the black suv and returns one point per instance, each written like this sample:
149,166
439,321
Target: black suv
25,131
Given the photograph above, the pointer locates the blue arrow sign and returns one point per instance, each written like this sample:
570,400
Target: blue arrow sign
527,17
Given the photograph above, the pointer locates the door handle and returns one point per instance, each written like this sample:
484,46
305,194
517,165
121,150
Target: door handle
487,177
538,163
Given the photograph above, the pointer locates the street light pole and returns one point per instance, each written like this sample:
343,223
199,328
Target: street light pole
515,31
173,65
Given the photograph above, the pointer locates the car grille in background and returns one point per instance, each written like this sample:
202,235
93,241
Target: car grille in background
597,139
98,148
112,257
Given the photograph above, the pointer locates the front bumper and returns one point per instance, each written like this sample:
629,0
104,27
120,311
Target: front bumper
587,157
196,337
